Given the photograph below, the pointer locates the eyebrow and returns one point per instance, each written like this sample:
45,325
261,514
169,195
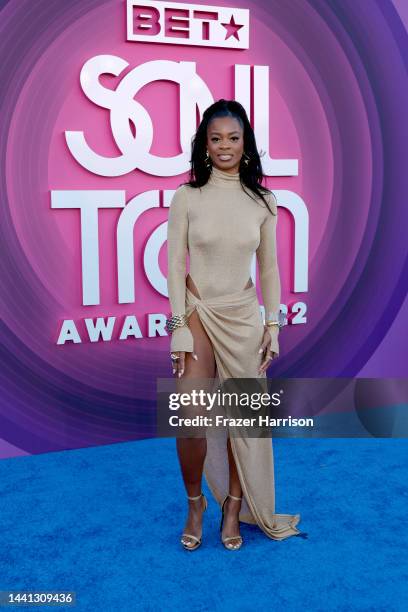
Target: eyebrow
229,133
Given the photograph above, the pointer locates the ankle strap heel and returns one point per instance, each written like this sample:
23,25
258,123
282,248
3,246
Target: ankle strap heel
228,540
199,497
196,540
194,498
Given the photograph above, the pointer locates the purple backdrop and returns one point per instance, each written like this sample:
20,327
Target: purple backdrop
354,55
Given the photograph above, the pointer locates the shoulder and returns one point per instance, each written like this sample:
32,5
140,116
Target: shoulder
179,198
186,196
178,207
184,191
272,202
180,190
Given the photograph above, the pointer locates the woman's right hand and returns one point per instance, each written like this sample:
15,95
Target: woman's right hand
182,342
178,362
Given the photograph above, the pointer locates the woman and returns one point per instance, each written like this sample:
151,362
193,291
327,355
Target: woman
223,215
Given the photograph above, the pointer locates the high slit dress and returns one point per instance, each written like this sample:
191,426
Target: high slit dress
221,226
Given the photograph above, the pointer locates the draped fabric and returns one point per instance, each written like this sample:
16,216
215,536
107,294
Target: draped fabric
234,325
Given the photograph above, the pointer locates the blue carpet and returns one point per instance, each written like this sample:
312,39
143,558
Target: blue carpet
105,522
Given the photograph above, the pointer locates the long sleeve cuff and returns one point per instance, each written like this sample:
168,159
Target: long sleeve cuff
182,340
274,334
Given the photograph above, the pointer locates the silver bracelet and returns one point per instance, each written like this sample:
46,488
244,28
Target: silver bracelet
176,321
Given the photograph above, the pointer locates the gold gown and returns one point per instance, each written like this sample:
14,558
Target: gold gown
221,227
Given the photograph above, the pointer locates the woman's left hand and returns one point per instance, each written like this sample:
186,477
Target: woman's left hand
269,354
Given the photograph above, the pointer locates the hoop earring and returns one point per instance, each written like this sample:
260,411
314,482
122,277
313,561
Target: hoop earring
207,160
245,158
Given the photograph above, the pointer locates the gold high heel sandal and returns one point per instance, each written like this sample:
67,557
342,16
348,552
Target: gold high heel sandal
226,541
196,544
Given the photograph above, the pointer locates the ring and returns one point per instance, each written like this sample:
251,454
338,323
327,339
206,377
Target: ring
174,357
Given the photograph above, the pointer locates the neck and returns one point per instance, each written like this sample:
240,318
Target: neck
221,178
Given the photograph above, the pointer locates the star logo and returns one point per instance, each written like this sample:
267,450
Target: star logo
232,28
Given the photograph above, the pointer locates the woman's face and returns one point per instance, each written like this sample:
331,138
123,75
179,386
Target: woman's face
225,143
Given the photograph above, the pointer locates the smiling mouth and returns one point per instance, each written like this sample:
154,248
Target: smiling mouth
225,157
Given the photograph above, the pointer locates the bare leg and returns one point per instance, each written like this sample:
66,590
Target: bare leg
232,506
192,451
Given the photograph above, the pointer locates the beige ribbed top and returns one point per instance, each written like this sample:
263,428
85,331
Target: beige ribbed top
221,227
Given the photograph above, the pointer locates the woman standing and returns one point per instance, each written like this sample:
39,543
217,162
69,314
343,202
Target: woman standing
222,216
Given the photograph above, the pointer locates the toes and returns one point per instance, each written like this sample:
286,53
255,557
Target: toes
186,542
235,543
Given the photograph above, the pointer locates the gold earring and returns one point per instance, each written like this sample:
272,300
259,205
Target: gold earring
245,158
207,160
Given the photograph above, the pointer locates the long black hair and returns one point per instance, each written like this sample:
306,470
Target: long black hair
250,174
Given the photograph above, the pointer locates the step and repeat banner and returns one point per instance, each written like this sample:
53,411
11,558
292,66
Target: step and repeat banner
99,102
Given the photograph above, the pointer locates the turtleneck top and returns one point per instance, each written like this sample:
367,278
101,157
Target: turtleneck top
221,226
